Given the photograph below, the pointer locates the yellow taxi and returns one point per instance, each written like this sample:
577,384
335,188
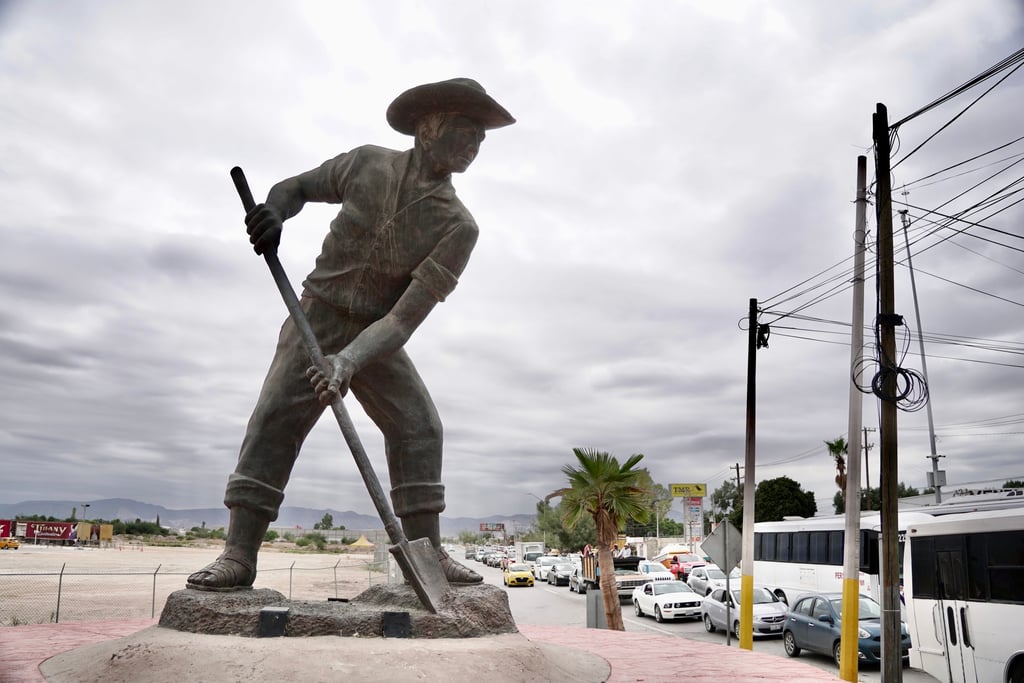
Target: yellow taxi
11,543
517,574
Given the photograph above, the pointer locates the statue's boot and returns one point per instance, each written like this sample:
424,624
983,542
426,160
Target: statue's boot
235,569
427,525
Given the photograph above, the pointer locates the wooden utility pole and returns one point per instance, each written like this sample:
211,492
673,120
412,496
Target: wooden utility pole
747,562
892,670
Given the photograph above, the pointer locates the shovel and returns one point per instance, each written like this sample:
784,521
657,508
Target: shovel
418,559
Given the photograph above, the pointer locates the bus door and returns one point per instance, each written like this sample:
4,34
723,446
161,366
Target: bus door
953,611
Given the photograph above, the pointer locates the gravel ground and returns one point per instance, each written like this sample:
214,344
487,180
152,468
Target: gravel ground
43,584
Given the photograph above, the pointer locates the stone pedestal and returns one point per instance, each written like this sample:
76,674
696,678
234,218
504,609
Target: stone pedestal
466,612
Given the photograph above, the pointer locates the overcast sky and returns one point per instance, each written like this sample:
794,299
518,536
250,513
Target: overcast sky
670,162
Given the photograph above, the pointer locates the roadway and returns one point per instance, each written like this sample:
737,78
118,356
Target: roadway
548,605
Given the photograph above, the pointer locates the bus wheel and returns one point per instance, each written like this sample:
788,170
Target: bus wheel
1017,673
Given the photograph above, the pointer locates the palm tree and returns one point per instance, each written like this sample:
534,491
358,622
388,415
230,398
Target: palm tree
603,489
838,450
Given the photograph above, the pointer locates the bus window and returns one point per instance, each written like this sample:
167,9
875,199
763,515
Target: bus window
818,547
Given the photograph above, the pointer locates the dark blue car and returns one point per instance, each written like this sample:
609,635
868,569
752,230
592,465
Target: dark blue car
814,622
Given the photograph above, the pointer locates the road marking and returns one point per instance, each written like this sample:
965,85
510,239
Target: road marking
649,626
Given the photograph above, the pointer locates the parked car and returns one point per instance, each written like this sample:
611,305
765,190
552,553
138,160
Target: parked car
666,600
576,580
709,577
542,564
814,624
558,574
11,543
769,612
517,575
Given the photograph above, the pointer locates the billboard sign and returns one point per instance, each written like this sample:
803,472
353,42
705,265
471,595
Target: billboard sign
689,490
49,531
492,526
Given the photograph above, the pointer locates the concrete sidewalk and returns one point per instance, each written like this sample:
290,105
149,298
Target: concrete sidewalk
629,656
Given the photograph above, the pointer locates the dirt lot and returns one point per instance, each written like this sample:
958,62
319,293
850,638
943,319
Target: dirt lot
43,584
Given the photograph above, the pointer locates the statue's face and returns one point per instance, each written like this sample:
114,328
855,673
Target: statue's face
456,146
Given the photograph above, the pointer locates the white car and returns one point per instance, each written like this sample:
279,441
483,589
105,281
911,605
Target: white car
667,600
769,612
655,571
709,577
543,564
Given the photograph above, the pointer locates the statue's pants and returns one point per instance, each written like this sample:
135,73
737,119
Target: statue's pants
391,392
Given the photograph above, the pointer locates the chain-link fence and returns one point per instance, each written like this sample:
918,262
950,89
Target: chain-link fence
85,595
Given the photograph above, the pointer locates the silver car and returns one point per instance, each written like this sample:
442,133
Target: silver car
769,612
705,579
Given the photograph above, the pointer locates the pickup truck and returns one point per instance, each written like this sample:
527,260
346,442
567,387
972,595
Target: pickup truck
627,577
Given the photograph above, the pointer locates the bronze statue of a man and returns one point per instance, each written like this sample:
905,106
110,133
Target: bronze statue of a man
395,250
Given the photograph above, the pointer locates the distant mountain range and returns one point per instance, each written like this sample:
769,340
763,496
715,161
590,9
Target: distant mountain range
128,510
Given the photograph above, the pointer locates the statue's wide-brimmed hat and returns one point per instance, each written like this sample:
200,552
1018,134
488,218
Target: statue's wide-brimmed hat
457,95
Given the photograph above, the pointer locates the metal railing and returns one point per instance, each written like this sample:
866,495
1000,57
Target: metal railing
70,595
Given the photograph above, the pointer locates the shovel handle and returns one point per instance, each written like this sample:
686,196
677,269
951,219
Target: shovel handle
348,430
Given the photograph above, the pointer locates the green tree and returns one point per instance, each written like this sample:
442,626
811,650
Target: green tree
602,489
270,536
316,538
659,500
838,450
873,497
326,522
1013,484
782,497
550,528
727,502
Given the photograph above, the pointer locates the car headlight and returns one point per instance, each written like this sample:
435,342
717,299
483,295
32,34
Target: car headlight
861,633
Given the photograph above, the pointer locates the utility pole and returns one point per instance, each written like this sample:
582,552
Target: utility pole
892,670
867,471
754,341
851,546
937,477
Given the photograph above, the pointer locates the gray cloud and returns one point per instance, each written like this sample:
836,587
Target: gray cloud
669,164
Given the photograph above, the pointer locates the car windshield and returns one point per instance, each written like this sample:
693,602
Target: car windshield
663,587
716,573
518,568
866,608
547,561
689,558
762,596
565,567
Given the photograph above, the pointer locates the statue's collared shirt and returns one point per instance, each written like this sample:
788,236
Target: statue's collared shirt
375,246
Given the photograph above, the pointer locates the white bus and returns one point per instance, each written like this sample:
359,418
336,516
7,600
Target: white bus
964,581
797,556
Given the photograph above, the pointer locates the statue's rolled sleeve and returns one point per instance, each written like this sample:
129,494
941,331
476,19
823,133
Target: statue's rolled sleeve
436,278
440,271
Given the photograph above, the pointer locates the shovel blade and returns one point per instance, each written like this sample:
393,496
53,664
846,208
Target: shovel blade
422,569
